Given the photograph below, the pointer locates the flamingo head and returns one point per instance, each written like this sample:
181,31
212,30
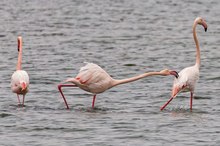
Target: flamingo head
201,21
167,72
23,85
19,43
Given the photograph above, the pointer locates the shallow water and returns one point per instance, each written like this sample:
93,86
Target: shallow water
126,38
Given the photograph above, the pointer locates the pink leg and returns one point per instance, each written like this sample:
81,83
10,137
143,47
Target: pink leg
18,99
23,100
93,101
166,103
191,100
65,85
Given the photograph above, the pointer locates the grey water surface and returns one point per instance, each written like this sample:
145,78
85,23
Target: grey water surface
126,38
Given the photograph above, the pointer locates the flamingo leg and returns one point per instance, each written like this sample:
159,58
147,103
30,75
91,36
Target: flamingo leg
23,100
18,99
175,91
166,103
191,100
93,101
61,92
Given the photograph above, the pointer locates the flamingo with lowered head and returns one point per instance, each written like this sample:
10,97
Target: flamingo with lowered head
92,78
188,76
20,78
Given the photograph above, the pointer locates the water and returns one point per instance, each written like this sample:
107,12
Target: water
126,38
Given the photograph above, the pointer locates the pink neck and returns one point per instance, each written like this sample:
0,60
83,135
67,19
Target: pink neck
197,45
132,79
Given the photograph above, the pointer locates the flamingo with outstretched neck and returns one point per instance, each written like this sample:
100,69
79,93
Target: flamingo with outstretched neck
188,76
20,78
92,78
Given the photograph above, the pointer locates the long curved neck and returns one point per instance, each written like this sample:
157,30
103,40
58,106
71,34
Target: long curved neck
19,54
197,45
132,79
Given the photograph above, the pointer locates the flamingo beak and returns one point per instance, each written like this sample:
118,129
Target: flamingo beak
174,73
204,25
23,86
18,45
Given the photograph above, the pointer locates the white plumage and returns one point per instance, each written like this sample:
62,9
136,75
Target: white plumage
17,79
95,78
187,79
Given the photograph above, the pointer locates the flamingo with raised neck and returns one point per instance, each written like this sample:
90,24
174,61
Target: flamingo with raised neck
188,76
20,78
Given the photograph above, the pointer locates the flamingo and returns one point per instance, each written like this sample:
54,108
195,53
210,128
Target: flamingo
188,76
92,78
20,78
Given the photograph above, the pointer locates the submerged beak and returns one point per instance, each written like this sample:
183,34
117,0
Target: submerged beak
174,73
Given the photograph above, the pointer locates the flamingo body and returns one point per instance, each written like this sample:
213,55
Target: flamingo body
186,80
92,78
19,79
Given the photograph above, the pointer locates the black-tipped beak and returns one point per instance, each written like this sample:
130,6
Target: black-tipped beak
204,24
174,73
18,45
